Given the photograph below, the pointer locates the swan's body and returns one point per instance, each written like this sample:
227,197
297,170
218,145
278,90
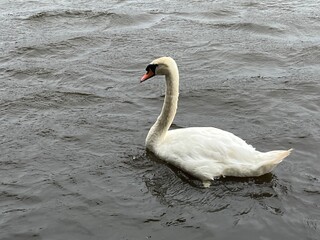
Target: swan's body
203,152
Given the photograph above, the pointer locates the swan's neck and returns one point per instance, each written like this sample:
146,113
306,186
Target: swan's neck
159,130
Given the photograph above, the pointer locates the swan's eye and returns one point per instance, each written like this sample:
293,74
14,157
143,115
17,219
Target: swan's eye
151,67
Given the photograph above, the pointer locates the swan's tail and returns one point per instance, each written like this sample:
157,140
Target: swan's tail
275,157
269,160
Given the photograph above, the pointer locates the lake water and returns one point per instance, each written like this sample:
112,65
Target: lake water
73,117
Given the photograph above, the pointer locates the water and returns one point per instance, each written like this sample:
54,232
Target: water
73,117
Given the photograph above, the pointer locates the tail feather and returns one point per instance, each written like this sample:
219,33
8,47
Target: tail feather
275,157
270,160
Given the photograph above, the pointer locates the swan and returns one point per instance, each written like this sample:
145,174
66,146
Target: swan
203,152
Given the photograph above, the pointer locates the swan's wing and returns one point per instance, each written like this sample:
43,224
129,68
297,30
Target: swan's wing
208,142
206,152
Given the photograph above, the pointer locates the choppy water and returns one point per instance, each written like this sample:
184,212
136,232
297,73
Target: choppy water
73,117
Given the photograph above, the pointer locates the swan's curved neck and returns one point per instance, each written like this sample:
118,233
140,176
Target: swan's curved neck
158,131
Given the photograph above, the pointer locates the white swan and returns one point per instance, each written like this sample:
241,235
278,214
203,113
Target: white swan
203,152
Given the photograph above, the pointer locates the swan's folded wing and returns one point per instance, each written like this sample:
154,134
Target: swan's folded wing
205,152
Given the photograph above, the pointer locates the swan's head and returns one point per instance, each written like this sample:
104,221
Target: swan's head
159,66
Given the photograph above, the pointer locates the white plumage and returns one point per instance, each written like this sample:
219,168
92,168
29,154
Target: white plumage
203,152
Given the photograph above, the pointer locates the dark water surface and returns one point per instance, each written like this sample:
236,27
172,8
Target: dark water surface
73,117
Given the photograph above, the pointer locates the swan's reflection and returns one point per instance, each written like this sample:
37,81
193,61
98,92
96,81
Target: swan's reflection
173,187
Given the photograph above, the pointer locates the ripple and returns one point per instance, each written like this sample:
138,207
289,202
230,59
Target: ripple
44,15
110,19
174,188
74,118
52,99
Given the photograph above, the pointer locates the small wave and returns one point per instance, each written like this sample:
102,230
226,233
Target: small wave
109,19
68,14
251,27
52,99
59,49
304,55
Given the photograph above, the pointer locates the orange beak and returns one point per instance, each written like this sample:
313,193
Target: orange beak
146,76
